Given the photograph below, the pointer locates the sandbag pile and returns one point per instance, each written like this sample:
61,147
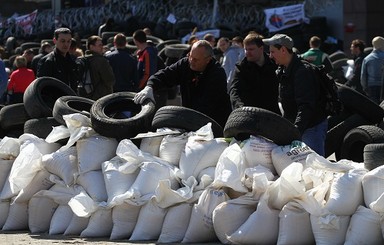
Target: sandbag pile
188,188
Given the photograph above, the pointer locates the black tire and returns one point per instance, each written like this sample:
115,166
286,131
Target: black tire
356,139
336,134
246,121
108,118
338,55
13,116
373,156
41,127
29,45
184,118
361,104
161,46
41,95
155,40
338,64
71,104
334,120
175,50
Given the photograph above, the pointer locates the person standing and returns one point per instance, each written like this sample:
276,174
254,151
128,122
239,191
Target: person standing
123,64
202,81
19,80
357,50
100,70
255,82
58,63
45,49
372,70
3,76
315,56
299,92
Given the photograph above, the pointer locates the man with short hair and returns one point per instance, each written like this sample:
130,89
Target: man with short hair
255,82
315,56
45,49
202,81
299,92
357,50
123,64
58,63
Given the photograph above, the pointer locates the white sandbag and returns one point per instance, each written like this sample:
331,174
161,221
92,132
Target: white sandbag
230,169
295,225
124,218
210,172
93,183
200,227
116,180
262,227
346,193
58,133
100,224
149,222
4,211
6,192
40,182
17,217
283,156
258,152
148,178
62,163
174,227
76,225
200,154
171,148
228,216
254,172
5,169
9,148
60,220
152,144
316,161
165,196
94,150
329,228
364,228
287,187
373,188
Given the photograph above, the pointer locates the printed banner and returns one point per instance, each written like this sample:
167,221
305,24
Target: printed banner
284,17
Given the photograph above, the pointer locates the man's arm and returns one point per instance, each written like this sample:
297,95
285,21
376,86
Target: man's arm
234,94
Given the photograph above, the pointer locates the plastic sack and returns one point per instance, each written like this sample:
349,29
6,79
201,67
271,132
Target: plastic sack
200,227
329,228
76,225
60,220
94,185
124,217
100,224
17,217
373,189
171,148
9,148
152,144
5,169
4,210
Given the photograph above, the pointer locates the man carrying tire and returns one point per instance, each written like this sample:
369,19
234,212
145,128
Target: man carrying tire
202,80
299,93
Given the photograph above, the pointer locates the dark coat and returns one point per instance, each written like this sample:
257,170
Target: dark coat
205,91
255,85
300,95
60,67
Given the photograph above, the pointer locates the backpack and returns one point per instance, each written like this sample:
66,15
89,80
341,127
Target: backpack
328,89
85,86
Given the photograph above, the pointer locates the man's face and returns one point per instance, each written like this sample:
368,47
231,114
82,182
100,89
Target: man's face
354,50
198,59
253,52
223,45
276,54
97,48
63,42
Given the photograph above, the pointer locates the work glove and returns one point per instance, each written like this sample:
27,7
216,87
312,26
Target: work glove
146,93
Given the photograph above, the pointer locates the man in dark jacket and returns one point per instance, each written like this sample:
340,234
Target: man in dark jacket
58,63
45,49
357,50
203,83
299,93
255,82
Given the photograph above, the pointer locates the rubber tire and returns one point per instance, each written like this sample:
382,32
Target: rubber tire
356,139
338,55
41,127
161,46
13,116
71,104
335,135
246,121
41,95
180,117
103,118
175,50
334,120
338,64
373,156
361,104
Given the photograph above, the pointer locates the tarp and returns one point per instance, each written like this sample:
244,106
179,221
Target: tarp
284,17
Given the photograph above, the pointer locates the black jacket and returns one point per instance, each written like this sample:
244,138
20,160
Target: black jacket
300,95
205,92
60,67
255,86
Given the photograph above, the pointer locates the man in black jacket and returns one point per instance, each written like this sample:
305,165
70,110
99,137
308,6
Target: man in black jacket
299,93
58,63
203,83
255,81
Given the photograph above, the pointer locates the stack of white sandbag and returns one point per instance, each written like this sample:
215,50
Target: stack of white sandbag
189,188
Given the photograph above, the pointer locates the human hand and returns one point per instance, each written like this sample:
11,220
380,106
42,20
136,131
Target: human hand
146,93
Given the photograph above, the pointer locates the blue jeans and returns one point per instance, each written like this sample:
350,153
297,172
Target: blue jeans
315,137
374,93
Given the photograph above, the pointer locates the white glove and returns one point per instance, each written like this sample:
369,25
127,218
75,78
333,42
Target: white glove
146,93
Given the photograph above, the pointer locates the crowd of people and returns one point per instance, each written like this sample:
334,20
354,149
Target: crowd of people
214,76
